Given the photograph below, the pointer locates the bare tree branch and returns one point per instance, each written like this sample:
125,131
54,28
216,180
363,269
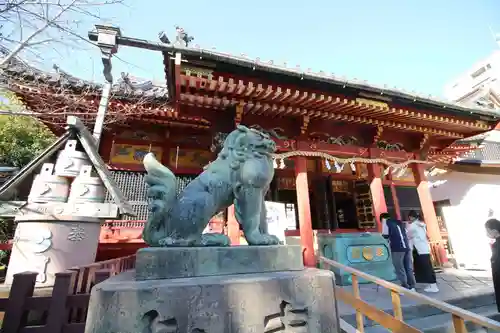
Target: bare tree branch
13,6
34,23
52,100
18,49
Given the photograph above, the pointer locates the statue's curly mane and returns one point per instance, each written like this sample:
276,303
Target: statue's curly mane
244,144
240,175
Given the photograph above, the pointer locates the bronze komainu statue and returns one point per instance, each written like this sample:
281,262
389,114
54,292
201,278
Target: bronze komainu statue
241,174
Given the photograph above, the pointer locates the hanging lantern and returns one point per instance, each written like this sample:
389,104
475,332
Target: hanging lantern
353,167
401,172
338,167
327,164
177,157
282,164
275,164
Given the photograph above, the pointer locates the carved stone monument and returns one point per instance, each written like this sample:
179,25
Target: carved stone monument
58,226
192,282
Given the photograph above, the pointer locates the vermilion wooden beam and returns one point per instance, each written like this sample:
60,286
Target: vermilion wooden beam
233,227
377,192
304,210
272,99
333,149
177,77
395,200
337,150
428,212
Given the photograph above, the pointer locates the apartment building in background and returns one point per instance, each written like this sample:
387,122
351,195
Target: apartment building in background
480,85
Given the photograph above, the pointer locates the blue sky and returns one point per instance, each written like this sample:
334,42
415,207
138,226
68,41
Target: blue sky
414,44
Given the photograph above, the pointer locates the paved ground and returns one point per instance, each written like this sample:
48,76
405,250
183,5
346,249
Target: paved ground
453,284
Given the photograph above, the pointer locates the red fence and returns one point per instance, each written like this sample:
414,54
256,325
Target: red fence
65,310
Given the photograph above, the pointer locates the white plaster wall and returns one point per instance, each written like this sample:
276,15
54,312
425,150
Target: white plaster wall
471,196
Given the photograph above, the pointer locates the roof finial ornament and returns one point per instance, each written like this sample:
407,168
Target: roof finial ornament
182,38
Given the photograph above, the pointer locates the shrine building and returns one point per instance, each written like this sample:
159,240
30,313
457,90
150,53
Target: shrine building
347,150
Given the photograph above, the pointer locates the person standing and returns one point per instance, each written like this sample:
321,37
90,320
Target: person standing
421,251
395,232
493,232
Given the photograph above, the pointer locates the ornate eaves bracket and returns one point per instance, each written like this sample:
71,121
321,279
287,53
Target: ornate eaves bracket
424,146
378,135
239,113
425,140
305,124
107,43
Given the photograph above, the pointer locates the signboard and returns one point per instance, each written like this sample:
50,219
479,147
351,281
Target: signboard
189,159
276,219
291,218
372,102
286,183
133,154
406,176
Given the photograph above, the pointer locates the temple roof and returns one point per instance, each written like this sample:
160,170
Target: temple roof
322,77
298,72
127,87
332,79
52,96
488,150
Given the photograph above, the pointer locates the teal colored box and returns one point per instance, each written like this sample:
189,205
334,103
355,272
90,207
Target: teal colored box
367,252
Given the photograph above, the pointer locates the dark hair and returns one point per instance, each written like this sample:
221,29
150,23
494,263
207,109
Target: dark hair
493,224
385,216
413,214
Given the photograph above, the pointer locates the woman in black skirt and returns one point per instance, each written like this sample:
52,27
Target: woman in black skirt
493,232
422,265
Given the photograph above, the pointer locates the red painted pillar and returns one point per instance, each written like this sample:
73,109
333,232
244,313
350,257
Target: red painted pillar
428,212
396,202
304,210
233,227
377,192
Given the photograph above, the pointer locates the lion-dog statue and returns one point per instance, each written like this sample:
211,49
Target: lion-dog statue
240,175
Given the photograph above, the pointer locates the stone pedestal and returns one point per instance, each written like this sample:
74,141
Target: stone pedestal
49,245
257,290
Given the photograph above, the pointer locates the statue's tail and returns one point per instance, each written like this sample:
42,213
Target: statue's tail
161,195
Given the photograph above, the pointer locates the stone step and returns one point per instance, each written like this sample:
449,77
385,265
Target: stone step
442,323
421,311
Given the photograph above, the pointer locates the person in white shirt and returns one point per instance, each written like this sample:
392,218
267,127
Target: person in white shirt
422,265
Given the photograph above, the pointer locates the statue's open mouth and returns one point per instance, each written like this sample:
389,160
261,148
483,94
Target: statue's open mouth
266,145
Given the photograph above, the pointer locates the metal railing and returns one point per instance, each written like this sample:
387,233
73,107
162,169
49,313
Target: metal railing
395,322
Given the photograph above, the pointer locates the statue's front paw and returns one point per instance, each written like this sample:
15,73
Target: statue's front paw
167,241
215,239
176,242
262,239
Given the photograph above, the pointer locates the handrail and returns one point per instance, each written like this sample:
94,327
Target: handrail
116,265
458,315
